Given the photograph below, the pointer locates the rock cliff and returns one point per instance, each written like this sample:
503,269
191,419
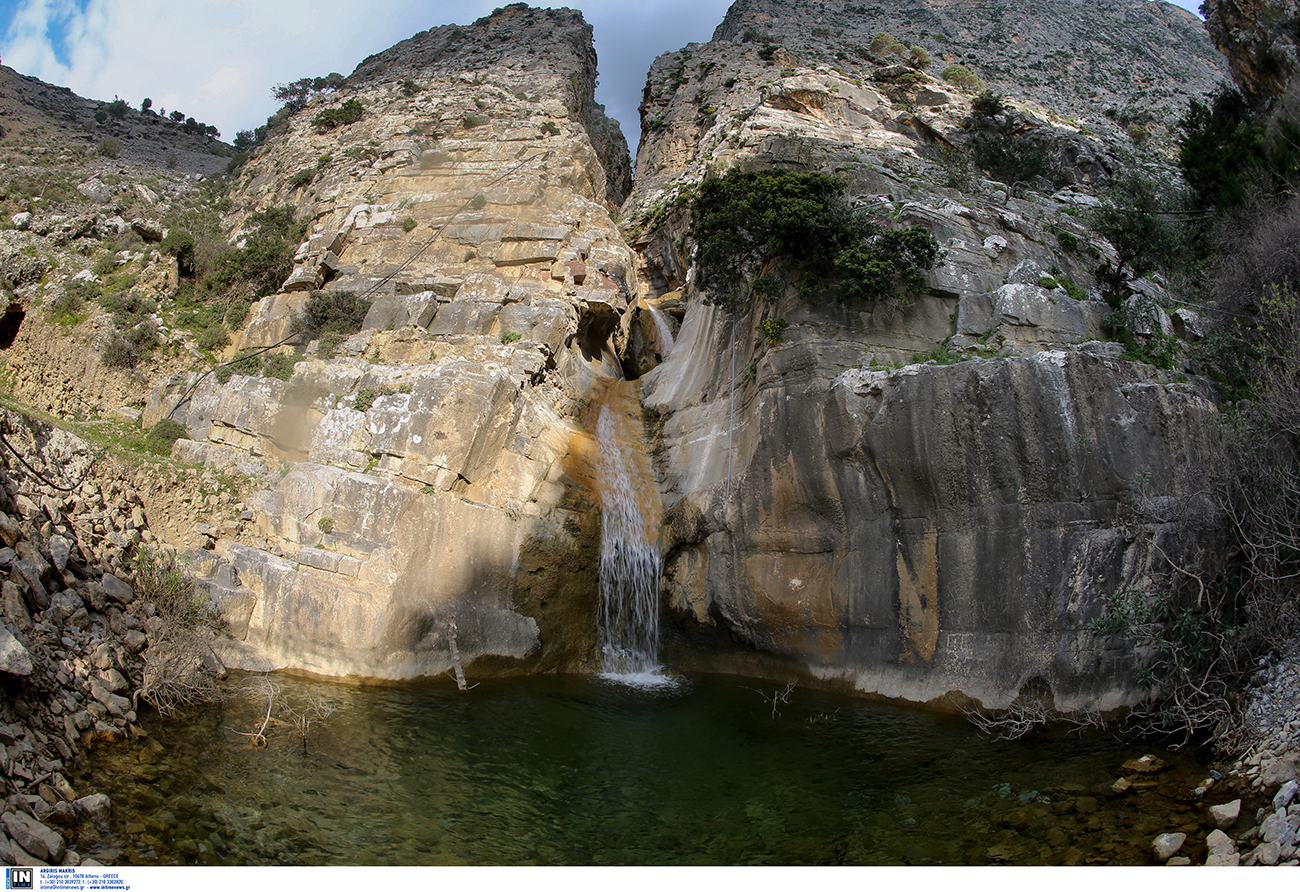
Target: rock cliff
435,470
914,501
1261,38
940,498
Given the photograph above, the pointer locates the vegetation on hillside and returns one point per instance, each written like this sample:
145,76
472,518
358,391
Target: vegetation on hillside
757,230
1231,241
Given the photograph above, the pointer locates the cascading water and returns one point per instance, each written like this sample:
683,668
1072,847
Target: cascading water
661,327
630,562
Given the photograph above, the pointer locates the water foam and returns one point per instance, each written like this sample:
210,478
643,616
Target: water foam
630,563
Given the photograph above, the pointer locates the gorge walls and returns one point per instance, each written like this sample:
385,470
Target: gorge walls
919,501
937,499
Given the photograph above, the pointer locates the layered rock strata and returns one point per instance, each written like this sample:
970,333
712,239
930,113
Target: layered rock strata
924,500
434,472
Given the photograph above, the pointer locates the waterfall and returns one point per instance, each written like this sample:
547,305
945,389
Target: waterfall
630,562
665,333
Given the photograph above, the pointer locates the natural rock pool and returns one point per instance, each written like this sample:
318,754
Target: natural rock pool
581,770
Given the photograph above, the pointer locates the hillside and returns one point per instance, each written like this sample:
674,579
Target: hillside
39,121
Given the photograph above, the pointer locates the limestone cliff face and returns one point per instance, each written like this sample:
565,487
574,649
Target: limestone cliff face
1261,39
913,527
435,470
1077,57
833,500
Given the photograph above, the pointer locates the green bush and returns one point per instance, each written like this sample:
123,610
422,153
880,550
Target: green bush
338,313
279,366
129,309
214,337
180,244
265,261
104,266
1135,218
1012,159
248,363
747,219
236,313
772,329
68,309
118,108
469,122
163,434
129,348
408,224
109,147
987,105
962,77
365,398
509,337
325,525
348,113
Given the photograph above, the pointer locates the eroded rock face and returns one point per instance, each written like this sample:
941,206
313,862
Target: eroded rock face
433,471
928,529
917,528
1259,38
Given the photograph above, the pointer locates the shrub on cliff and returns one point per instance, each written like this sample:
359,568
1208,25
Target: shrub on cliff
348,113
1239,147
1011,159
263,263
337,313
747,221
960,76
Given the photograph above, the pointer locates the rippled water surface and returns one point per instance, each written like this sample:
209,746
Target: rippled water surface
578,770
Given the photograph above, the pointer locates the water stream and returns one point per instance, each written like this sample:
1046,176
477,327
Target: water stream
630,563
661,328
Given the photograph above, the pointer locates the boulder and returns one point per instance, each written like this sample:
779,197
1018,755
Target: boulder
1223,859
60,552
1276,828
14,658
1276,772
95,807
116,589
1219,840
1225,815
1284,796
149,230
1166,845
1267,853
34,837
1146,765
96,191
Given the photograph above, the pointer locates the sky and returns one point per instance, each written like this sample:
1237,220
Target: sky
217,61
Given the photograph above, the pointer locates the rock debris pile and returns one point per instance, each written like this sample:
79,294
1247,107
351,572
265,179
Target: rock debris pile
76,647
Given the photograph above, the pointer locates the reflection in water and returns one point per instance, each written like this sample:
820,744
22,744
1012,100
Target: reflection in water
576,770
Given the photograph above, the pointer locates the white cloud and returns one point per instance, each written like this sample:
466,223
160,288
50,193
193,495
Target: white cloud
223,81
